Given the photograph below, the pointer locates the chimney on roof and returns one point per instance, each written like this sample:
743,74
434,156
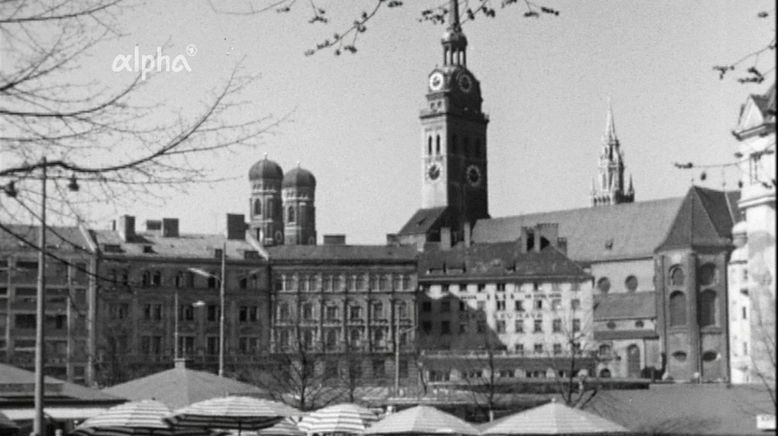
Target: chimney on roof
127,227
236,226
445,238
392,239
335,239
524,239
561,245
154,226
468,236
170,227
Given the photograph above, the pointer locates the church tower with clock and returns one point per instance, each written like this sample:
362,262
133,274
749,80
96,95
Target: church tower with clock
453,146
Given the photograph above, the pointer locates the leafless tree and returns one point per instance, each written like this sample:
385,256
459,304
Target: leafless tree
344,39
575,351
116,142
296,372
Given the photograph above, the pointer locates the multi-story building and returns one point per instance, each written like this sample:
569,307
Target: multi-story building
522,304
354,305
752,278
159,298
70,300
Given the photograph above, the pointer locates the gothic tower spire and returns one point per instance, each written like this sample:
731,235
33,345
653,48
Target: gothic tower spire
611,188
454,41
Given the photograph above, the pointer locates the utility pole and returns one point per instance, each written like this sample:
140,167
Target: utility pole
176,313
39,425
221,310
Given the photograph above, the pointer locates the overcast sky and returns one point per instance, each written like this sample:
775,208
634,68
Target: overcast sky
545,82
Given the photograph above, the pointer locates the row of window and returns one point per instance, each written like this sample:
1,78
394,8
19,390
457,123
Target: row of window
345,281
180,279
446,288
186,312
331,338
291,214
501,305
24,269
332,312
501,326
707,308
464,149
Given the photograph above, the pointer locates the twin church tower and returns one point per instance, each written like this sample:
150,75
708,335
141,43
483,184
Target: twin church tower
454,165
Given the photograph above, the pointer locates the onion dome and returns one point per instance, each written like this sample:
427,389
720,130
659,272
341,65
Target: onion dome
266,169
299,178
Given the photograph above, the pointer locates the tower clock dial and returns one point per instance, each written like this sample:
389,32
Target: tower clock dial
465,83
433,171
473,175
436,81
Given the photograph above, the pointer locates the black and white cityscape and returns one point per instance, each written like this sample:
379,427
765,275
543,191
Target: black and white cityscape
383,217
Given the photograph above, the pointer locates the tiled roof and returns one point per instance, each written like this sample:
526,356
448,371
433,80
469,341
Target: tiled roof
625,305
180,387
631,230
698,409
64,239
705,218
503,259
338,253
423,220
19,380
183,246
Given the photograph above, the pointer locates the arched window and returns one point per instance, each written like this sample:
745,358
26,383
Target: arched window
604,350
708,274
677,308
706,308
290,214
257,207
605,373
429,146
604,285
478,148
437,144
677,277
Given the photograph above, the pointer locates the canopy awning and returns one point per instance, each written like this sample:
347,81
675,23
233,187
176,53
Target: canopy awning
54,412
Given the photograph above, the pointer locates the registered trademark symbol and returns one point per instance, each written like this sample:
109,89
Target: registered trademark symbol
191,50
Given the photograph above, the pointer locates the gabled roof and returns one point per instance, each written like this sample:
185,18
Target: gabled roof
423,220
622,231
339,253
496,260
183,246
705,219
625,305
16,384
179,387
62,239
687,409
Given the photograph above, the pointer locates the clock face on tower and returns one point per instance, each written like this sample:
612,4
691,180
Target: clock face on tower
433,171
465,83
436,81
473,175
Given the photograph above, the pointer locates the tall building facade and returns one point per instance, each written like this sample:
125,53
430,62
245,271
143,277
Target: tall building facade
752,296
453,146
610,186
70,292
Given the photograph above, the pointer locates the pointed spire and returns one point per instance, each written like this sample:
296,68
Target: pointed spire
454,40
610,128
453,16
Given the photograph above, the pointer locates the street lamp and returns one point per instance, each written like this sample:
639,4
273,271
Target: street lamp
39,423
220,278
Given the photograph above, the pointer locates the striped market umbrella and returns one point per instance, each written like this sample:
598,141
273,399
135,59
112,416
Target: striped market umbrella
554,418
422,420
232,412
135,418
286,427
341,418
